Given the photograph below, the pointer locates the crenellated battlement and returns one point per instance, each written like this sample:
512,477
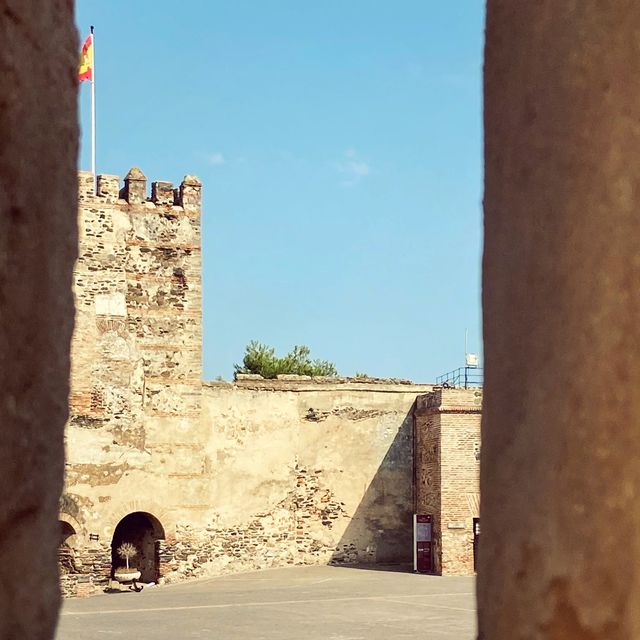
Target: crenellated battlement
188,195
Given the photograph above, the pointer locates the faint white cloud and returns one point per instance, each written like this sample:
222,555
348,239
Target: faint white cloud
352,168
216,158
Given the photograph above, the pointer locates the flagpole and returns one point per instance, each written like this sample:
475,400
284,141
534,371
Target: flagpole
93,110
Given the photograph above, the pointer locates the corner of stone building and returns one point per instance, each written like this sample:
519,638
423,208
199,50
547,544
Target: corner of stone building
447,474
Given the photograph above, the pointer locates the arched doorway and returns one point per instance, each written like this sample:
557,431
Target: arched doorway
66,555
66,531
143,531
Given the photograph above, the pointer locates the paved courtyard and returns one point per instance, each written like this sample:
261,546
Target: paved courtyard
312,603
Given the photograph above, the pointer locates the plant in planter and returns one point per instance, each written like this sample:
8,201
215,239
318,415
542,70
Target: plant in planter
125,574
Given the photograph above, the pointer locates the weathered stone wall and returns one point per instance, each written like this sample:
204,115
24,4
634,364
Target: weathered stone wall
448,473
84,570
310,471
38,148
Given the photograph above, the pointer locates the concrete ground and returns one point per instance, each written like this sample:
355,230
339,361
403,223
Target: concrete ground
313,603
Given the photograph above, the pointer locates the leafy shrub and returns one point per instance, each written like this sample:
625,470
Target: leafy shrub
262,359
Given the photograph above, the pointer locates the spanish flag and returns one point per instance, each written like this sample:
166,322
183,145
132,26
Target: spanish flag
86,60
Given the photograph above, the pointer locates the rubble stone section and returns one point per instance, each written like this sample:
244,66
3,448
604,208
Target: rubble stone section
83,571
281,535
447,427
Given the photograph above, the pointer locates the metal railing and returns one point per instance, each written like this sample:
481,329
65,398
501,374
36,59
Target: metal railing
463,377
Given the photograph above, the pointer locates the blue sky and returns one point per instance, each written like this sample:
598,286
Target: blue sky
340,147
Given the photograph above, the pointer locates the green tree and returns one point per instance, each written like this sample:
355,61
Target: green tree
262,359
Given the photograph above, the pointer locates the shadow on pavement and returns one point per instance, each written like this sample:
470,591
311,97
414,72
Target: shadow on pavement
404,567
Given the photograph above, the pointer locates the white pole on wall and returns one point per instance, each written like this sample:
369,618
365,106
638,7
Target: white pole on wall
93,109
415,542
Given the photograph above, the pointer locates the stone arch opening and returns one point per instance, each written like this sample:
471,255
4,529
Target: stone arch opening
66,555
66,533
144,531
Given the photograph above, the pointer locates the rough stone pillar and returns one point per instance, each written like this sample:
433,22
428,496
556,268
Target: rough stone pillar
135,186
162,192
108,187
191,192
38,237
560,479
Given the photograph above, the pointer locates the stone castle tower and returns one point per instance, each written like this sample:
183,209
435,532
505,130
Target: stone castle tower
138,338
136,354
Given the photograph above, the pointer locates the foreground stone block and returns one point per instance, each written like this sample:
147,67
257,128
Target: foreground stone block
38,238
560,477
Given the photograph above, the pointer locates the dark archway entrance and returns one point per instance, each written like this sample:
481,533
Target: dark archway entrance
143,531
66,531
66,554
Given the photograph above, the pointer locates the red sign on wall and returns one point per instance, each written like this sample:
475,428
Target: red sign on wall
422,543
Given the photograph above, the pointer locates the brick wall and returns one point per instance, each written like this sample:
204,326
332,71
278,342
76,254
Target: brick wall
448,473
